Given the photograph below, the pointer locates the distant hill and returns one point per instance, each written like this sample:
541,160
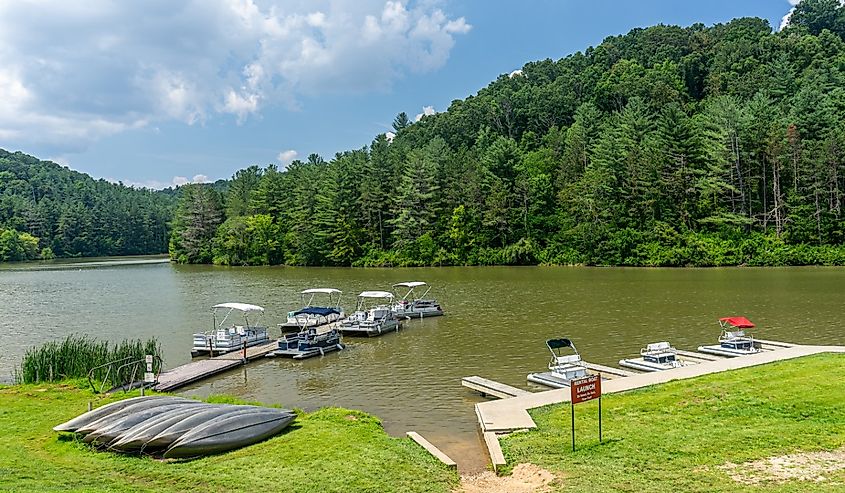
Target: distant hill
720,145
68,213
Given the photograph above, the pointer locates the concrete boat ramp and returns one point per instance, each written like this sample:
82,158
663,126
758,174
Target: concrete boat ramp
507,415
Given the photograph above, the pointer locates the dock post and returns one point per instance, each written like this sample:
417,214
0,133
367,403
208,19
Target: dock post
244,352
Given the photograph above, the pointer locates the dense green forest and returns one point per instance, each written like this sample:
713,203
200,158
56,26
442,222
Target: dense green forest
47,210
720,145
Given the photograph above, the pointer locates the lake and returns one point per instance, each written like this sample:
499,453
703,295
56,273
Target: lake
497,321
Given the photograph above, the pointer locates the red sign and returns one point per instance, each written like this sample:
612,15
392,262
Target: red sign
585,389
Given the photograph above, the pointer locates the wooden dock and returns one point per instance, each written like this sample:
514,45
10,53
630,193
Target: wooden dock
200,369
609,371
431,449
490,387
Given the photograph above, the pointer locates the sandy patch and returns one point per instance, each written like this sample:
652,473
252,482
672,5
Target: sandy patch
807,466
526,478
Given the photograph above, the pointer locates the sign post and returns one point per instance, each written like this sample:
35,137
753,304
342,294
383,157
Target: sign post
583,390
149,376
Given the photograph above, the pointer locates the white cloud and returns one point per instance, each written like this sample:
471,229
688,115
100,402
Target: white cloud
515,73
75,72
200,179
785,20
390,136
426,111
285,157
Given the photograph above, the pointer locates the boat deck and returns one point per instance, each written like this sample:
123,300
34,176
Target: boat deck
297,354
203,368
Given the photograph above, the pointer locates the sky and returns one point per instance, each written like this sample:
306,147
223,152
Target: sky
165,92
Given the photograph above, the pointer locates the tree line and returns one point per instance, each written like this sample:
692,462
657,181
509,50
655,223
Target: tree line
49,211
720,145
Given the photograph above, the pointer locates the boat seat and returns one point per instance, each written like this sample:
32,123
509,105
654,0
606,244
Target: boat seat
658,346
569,358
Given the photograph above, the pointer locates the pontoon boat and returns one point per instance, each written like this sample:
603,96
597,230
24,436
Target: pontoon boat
373,315
409,306
308,341
316,315
562,368
655,357
223,339
733,341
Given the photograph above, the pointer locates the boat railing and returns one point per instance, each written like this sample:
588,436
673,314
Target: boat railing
657,347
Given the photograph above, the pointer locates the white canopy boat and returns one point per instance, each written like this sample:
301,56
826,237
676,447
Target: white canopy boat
224,339
315,315
563,368
655,357
409,306
733,341
373,315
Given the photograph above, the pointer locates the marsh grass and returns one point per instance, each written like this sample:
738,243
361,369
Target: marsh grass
76,355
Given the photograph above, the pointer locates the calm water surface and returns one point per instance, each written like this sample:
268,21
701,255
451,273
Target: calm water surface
497,321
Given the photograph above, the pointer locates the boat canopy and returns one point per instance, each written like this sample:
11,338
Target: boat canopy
316,310
738,322
244,307
375,294
322,291
410,284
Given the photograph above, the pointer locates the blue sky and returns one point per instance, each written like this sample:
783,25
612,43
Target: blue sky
161,92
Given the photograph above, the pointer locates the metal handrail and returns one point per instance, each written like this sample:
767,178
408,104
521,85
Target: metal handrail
108,373
132,380
112,371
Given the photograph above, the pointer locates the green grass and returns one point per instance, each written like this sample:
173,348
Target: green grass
673,437
329,450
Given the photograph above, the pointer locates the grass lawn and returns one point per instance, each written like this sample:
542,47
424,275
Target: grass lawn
674,437
329,450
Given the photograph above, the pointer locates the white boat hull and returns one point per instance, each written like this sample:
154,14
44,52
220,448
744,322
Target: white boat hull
643,365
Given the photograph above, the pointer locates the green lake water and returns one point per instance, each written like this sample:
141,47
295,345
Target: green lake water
497,321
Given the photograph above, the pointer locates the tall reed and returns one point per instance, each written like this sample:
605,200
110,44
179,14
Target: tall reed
76,355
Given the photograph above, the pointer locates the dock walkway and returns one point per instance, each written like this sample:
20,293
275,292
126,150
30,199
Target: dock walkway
609,371
512,414
490,387
200,369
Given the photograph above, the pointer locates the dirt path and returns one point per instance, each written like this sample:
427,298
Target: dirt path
526,478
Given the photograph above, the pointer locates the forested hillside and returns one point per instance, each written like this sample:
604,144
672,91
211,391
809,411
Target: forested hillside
719,145
47,210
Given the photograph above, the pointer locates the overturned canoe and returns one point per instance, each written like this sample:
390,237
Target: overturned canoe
134,439
95,414
128,410
165,438
117,427
230,432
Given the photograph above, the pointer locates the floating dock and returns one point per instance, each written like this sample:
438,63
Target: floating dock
203,368
699,356
608,371
490,387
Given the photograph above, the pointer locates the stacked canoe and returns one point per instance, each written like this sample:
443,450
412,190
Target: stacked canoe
175,427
